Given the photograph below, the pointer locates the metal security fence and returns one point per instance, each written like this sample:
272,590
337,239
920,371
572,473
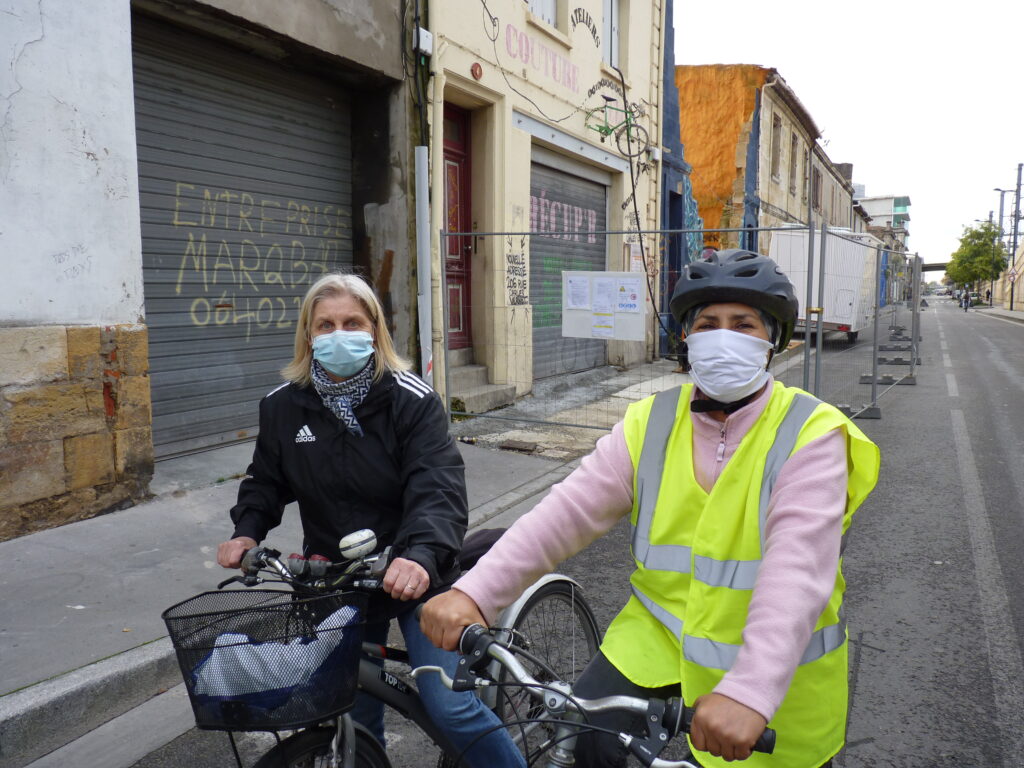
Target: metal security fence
567,328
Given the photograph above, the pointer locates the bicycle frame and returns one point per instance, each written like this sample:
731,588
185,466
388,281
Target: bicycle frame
606,128
399,695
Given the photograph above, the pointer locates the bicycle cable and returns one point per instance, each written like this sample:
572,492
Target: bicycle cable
522,722
520,651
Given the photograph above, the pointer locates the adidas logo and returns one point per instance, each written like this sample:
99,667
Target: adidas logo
305,436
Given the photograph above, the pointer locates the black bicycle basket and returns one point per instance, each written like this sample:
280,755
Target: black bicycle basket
259,659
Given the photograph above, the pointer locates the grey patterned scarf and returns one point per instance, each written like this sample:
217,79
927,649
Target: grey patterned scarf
342,397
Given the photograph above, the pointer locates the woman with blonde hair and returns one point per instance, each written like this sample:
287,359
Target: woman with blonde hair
360,442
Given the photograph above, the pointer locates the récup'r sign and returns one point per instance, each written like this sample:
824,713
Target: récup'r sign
566,220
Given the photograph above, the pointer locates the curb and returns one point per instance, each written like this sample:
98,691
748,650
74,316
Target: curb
43,717
1003,314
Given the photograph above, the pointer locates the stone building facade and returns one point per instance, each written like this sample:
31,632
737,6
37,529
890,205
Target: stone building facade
519,93
176,173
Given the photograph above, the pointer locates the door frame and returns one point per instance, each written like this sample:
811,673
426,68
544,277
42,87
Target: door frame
458,251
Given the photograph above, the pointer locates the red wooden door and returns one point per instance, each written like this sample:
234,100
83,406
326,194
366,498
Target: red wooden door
458,250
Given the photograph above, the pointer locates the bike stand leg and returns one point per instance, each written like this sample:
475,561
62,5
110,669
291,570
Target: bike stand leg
234,748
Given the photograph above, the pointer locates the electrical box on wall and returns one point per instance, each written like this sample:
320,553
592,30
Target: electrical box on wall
425,44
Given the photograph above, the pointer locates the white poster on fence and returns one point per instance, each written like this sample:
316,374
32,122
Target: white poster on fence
604,305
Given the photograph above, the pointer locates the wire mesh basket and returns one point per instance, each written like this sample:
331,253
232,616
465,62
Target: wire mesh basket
267,659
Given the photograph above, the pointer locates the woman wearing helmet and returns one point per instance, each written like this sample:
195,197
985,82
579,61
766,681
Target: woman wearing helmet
739,491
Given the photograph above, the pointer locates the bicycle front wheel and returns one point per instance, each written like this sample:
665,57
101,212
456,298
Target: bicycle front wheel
558,627
312,749
632,140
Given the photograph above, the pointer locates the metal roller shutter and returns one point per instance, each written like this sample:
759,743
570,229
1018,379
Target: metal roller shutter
245,197
564,203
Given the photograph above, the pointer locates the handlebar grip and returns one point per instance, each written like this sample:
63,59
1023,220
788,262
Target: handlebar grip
252,560
765,742
679,717
297,565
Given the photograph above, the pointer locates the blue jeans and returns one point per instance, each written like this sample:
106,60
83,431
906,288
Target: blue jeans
461,716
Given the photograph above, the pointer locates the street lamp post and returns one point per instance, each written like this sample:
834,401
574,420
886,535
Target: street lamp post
992,278
1016,223
1001,235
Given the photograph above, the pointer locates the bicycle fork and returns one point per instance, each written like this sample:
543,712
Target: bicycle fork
343,745
563,753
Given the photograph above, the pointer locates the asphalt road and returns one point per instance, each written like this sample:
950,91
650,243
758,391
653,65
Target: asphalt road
935,624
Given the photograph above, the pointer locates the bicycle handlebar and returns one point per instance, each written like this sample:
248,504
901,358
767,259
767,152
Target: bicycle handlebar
317,572
478,646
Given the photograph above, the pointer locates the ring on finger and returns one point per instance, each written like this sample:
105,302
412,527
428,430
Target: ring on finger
410,585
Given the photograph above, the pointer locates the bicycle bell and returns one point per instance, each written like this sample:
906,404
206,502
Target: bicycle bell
358,544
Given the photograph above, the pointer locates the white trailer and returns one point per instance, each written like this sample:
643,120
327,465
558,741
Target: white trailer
848,302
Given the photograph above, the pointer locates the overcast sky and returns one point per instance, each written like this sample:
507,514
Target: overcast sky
922,97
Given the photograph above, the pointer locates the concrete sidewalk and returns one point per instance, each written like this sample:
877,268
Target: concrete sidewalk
1016,315
81,639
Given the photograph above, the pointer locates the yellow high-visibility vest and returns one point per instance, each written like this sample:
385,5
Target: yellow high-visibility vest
697,556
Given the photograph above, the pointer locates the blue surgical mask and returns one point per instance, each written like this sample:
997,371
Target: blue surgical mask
343,353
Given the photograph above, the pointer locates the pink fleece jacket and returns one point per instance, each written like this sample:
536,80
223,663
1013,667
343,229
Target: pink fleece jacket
798,567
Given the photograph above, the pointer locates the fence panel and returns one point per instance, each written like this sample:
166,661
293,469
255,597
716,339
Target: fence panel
528,348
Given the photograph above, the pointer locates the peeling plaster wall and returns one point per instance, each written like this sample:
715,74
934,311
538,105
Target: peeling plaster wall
364,32
70,243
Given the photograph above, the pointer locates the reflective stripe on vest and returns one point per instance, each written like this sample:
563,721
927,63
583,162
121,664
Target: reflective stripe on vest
736,574
648,484
716,655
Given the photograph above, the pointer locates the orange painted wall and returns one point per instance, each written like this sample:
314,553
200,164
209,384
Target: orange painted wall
716,104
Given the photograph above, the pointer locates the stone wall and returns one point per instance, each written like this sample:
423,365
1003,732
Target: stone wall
75,424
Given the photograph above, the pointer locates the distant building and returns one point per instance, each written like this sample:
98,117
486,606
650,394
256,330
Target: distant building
889,215
755,155
889,212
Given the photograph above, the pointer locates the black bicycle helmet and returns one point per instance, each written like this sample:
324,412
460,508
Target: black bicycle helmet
741,276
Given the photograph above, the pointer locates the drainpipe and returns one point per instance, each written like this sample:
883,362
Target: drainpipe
423,261
436,221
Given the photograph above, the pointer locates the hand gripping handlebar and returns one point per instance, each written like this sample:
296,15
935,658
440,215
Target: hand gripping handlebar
665,718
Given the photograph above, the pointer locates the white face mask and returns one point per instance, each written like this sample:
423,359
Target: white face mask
727,365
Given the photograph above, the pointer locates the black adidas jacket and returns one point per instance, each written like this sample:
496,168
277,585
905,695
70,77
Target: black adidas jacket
404,478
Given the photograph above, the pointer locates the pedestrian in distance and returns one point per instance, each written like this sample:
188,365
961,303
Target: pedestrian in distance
965,300
739,491
360,442
988,296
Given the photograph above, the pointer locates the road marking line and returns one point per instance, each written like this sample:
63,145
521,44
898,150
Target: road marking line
946,362
1004,659
951,385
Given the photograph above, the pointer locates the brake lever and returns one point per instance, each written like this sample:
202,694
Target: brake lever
465,679
249,581
380,566
647,750
447,681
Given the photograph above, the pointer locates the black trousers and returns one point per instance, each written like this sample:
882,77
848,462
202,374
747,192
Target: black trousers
600,678
603,750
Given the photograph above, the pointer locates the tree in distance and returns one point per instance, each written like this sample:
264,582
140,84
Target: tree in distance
980,257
